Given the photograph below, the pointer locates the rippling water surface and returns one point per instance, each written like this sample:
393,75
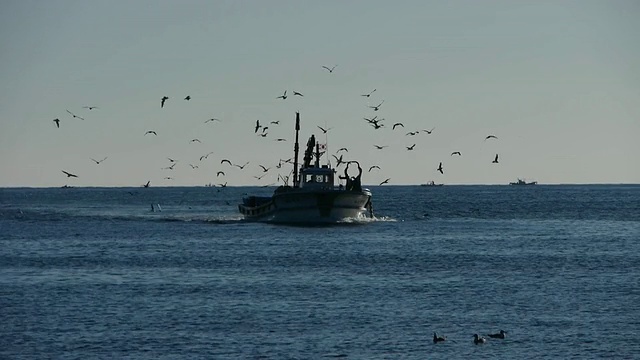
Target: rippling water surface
93,273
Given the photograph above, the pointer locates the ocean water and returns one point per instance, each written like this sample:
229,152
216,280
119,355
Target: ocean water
92,273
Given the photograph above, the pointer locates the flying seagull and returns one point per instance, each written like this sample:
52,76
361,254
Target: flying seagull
57,121
491,137
147,184
440,168
495,161
377,107
74,115
90,107
385,182
409,148
69,174
374,167
98,161
456,153
397,124
342,149
188,97
151,132
212,119
429,131
283,96
329,69
324,131
195,140
257,126
164,98
381,147
265,169
369,94
226,161
220,173
297,93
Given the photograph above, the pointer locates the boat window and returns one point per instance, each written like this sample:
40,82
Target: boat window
320,178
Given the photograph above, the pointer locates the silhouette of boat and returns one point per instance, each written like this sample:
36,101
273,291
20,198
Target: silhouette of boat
431,183
313,198
522,182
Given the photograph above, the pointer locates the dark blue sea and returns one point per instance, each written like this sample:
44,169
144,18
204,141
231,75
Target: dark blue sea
93,273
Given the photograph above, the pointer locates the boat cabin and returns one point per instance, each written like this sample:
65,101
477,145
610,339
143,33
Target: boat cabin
317,177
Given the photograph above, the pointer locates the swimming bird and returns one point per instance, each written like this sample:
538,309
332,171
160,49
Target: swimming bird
74,115
456,153
57,121
374,167
437,339
478,339
295,93
385,182
495,161
220,173
90,107
409,148
490,137
151,132
69,174
164,98
380,147
369,94
283,96
257,126
324,131
501,335
330,69
188,97
397,124
440,168
377,107
429,131
147,184
98,161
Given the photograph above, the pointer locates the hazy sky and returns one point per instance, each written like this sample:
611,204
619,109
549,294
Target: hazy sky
558,82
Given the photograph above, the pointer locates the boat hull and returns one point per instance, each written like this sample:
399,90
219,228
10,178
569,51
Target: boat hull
310,207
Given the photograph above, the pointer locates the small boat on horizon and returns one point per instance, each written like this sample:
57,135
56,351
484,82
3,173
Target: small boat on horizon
431,183
313,198
522,182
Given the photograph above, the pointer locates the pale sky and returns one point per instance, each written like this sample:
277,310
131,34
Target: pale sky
558,82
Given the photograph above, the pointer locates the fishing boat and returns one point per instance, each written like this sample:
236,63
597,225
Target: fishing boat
313,197
522,182
431,183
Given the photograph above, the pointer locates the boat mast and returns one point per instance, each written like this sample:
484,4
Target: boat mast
296,148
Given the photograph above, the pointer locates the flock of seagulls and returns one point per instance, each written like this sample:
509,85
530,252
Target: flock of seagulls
262,130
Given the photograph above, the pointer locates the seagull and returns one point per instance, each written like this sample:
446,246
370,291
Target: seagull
374,167
490,137
372,120
260,177
342,149
90,107
168,177
57,121
220,173
212,119
409,148
275,122
478,339
412,133
188,97
377,107
257,126
456,153
440,168
495,161
169,167
369,94
147,184
429,131
283,96
280,139
265,169
241,167
206,156
339,160
172,160
223,185
195,140
151,132
501,335
74,115
437,339
381,147
98,161
226,161
330,69
324,131
385,182
297,93
70,174
397,124
164,98
193,166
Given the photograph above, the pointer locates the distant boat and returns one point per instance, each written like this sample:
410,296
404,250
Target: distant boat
522,182
431,183
313,198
